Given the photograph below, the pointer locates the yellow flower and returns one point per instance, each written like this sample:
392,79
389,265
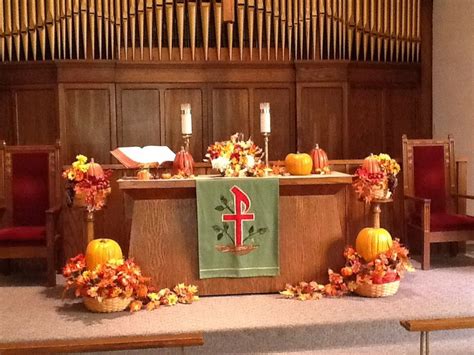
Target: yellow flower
83,167
81,158
383,156
71,175
116,262
192,289
172,299
153,296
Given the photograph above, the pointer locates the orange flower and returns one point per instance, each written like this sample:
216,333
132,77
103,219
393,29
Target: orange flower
135,306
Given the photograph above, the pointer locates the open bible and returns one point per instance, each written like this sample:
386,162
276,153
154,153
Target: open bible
134,157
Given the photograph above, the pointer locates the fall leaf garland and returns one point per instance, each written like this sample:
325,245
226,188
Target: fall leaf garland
387,267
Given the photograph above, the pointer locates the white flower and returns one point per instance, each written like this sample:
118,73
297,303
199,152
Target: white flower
250,161
220,163
243,173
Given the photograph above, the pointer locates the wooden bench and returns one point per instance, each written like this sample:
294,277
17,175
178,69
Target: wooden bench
424,326
104,344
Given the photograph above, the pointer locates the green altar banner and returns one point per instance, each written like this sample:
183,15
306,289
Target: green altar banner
237,227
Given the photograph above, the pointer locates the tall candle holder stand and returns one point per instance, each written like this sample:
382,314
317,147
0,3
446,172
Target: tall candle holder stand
266,136
186,138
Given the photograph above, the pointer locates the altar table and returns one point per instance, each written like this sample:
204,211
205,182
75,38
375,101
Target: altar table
312,232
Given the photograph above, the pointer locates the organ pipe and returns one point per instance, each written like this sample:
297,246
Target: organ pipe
363,30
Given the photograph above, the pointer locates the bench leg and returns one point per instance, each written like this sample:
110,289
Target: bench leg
424,343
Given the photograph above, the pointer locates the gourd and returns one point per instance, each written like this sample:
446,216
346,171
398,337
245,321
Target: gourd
320,160
183,163
370,242
371,164
99,251
144,174
95,170
299,163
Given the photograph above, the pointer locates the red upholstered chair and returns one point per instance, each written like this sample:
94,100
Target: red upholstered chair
30,203
429,179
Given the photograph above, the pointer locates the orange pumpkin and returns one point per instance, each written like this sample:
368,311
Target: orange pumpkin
320,160
183,163
370,242
144,174
371,164
299,163
95,170
99,251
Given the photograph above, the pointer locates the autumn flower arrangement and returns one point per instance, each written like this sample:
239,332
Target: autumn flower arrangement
236,157
122,278
388,267
88,181
376,178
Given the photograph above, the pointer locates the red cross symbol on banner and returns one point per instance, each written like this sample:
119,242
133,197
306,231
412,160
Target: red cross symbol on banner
242,206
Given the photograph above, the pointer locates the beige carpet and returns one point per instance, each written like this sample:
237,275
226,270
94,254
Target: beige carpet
259,323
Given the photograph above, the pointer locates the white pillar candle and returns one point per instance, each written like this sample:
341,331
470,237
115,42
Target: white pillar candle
265,117
186,120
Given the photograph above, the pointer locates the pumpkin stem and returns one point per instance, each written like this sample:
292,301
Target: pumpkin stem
316,146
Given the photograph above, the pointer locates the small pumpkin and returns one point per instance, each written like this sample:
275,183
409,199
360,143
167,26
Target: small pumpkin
371,164
299,163
370,242
183,163
144,174
320,160
99,251
95,170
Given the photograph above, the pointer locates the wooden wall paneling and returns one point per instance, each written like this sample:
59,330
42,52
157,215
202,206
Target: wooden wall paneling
425,129
366,126
35,115
401,117
111,221
6,120
461,177
345,114
282,102
138,115
229,113
87,119
321,117
174,97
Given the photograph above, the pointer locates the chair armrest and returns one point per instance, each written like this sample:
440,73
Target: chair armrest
425,211
54,210
469,197
52,215
418,199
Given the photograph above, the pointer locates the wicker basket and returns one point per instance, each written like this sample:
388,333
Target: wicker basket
107,305
378,290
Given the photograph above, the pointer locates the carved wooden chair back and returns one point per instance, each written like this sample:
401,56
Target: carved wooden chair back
431,196
30,203
429,169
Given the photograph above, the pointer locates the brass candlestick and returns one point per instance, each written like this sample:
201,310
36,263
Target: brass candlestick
186,138
266,136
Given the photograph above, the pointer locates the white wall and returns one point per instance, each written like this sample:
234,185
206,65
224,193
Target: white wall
453,80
